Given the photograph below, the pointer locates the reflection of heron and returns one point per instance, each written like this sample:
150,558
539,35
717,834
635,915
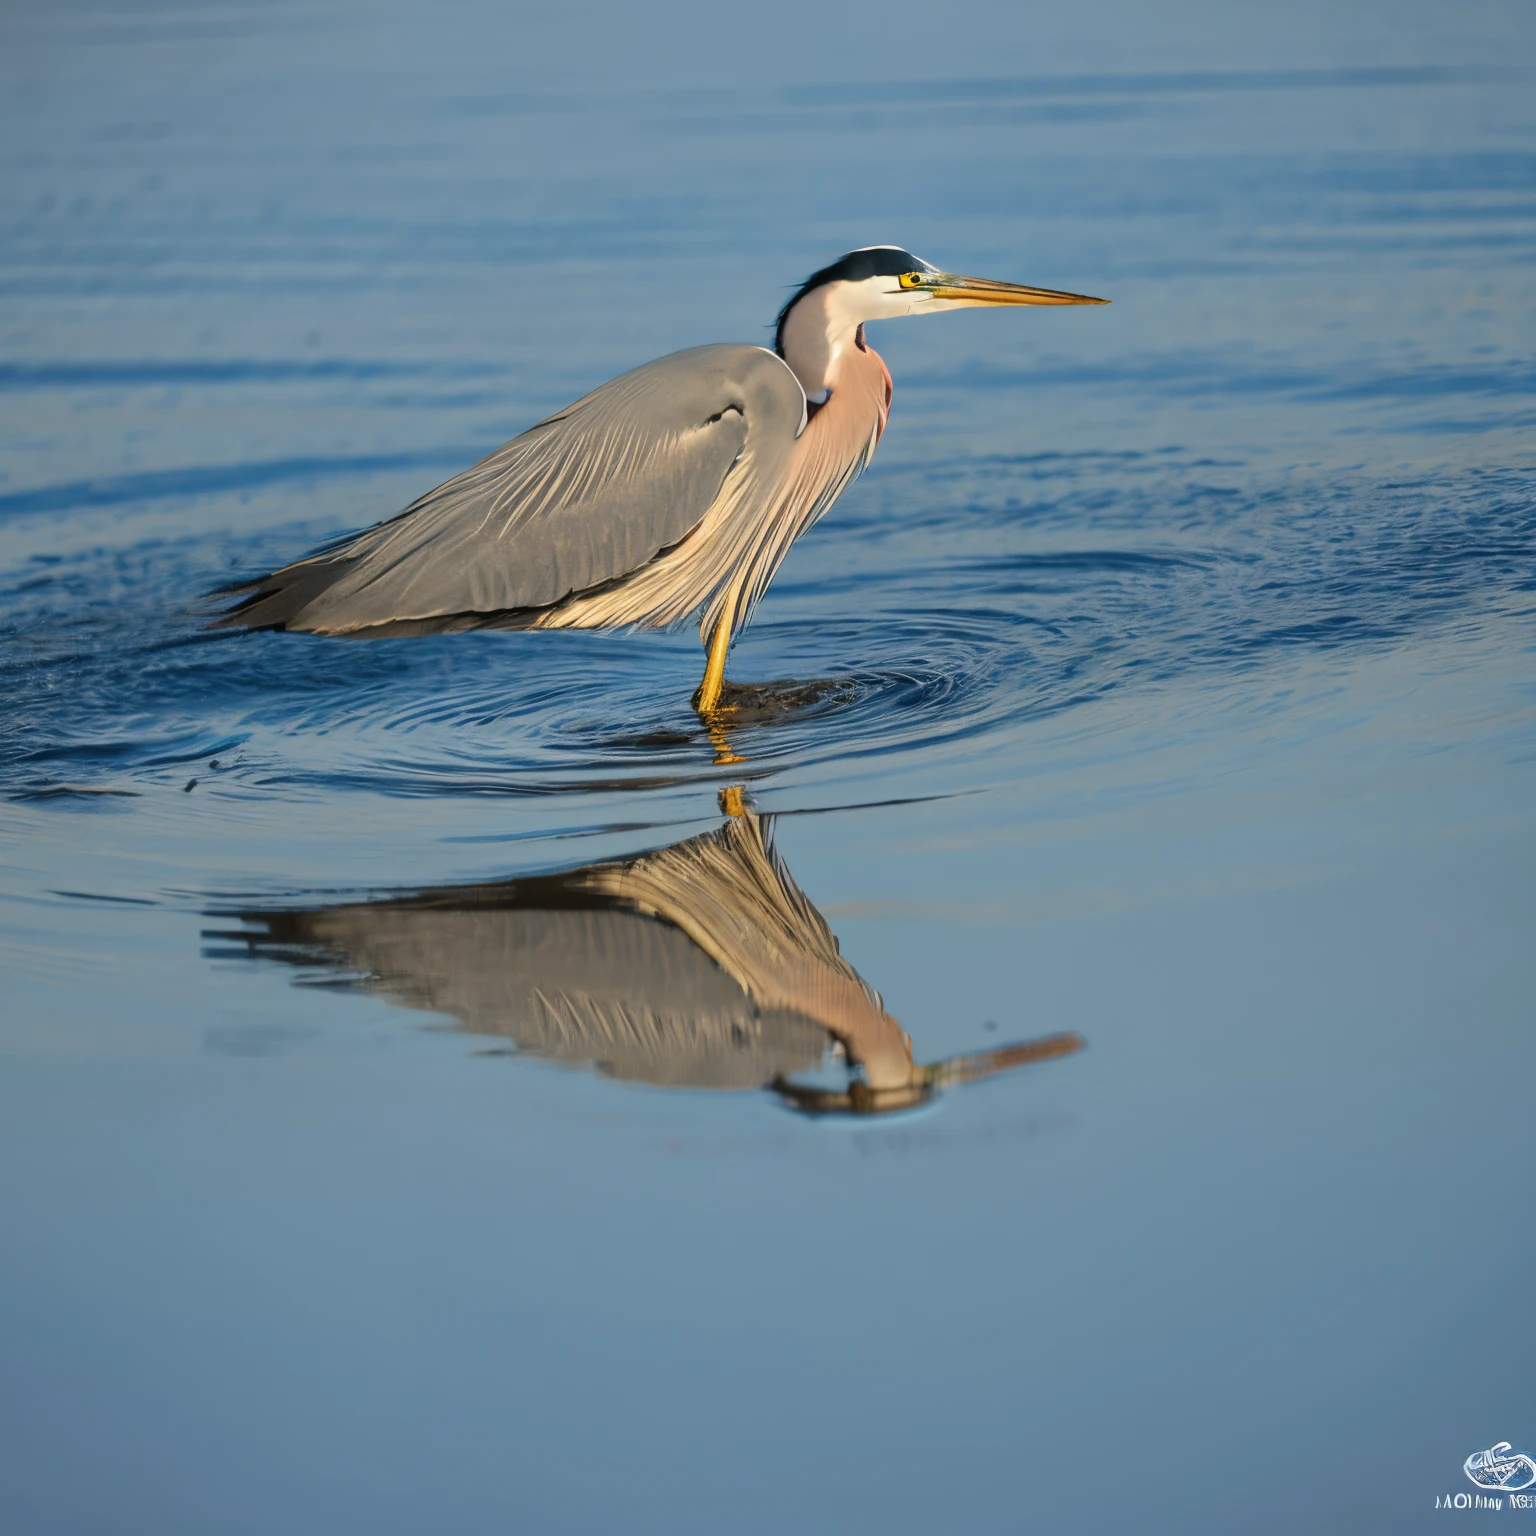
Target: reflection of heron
699,965
673,489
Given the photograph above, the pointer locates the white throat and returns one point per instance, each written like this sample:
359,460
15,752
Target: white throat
822,328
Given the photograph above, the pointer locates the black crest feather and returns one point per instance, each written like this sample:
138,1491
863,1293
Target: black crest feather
855,267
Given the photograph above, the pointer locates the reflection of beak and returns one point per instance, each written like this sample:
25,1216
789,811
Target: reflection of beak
971,1069
926,1082
982,290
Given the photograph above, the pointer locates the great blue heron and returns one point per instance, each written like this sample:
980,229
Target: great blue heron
700,965
673,489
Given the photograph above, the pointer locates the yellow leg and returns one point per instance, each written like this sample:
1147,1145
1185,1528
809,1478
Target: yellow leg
707,699
720,739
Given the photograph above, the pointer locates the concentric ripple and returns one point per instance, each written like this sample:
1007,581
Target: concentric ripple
964,607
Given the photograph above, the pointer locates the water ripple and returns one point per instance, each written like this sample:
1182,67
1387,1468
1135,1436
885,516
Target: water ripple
1005,598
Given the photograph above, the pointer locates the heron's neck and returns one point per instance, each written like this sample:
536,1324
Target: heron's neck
819,340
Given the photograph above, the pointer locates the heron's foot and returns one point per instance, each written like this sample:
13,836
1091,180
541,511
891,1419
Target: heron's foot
737,704
763,703
716,701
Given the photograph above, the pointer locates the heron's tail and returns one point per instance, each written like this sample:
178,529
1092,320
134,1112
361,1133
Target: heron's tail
278,599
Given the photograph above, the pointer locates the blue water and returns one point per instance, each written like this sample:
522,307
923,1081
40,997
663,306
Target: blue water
1171,684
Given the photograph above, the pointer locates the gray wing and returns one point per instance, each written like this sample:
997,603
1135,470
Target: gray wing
629,993
580,500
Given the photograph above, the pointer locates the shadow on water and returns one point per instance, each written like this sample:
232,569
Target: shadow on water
698,965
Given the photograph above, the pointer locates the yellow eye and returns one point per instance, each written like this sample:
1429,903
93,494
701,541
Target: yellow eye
912,279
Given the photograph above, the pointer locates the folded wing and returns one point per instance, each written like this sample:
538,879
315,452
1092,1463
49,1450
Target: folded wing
575,505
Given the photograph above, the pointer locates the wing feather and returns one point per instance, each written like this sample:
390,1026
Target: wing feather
579,501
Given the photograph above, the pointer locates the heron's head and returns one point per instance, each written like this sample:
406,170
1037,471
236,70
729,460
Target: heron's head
883,282
875,1095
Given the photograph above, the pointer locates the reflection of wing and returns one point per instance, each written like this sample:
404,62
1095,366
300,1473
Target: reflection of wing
699,964
582,500
574,984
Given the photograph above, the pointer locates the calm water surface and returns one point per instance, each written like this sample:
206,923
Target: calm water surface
419,1109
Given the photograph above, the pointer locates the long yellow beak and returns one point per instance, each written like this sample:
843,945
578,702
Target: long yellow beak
982,290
